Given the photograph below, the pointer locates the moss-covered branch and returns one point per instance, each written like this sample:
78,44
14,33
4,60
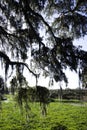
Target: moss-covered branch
12,63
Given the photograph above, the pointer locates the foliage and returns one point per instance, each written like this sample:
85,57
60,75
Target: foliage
25,94
2,85
44,30
68,94
18,82
3,89
83,75
62,21
43,96
40,94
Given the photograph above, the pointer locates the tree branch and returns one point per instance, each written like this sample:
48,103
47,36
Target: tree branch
9,62
41,18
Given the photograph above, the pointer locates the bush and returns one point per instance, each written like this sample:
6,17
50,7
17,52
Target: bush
70,95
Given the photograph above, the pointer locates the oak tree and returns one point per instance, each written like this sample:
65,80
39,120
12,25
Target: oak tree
44,30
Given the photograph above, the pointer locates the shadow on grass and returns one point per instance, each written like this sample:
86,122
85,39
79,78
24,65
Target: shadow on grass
59,127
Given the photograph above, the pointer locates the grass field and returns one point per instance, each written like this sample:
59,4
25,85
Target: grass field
61,116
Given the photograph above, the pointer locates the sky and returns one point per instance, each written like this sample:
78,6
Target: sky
72,81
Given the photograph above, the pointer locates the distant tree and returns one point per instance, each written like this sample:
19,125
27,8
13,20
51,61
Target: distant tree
61,92
84,76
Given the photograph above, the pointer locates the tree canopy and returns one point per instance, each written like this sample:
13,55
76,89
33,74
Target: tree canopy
47,28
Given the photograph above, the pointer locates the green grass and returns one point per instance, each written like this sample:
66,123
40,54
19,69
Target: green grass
61,116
